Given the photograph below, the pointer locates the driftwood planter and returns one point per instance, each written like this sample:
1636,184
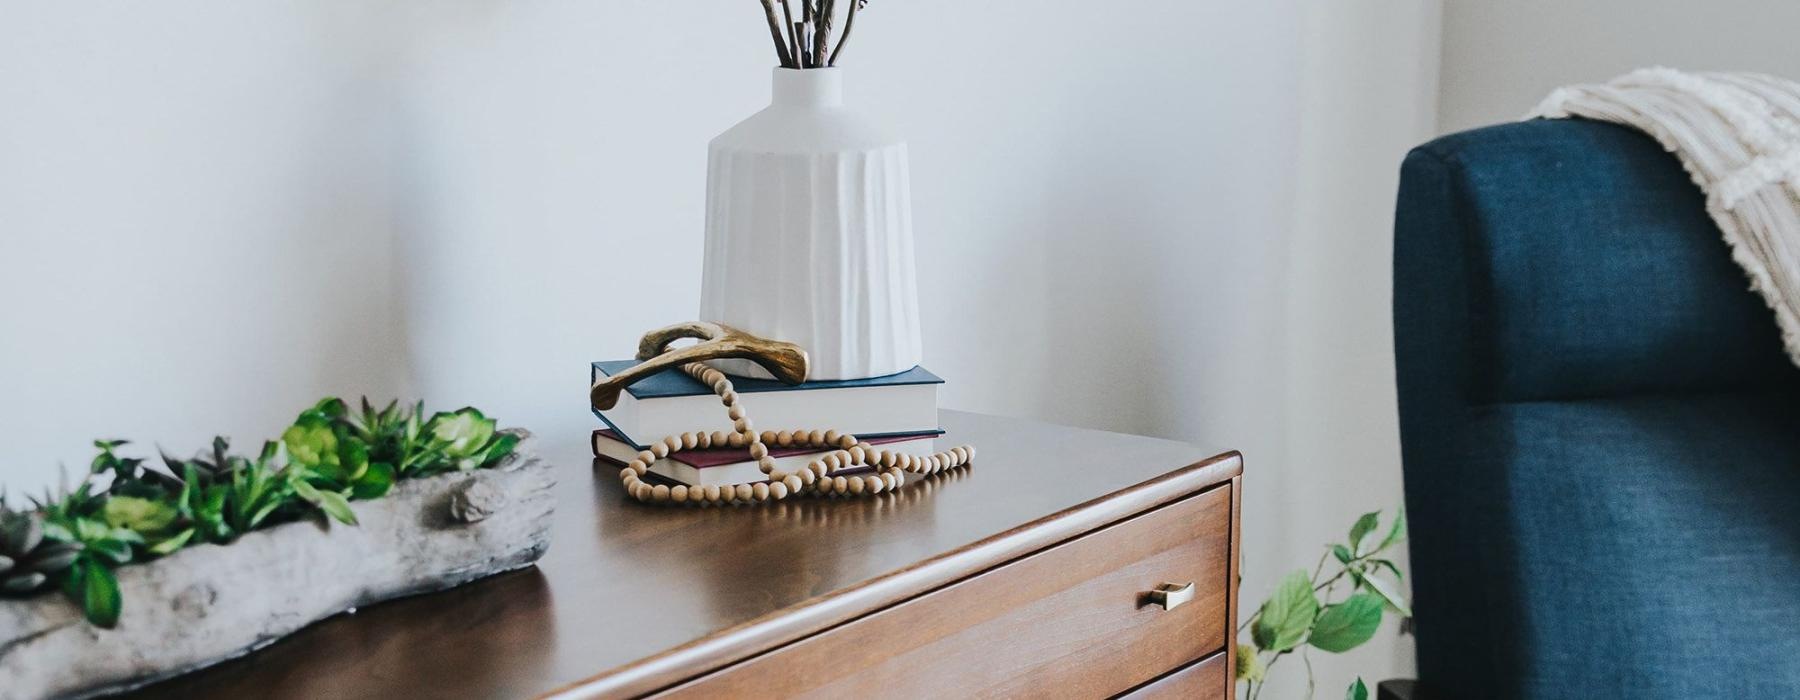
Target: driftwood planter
210,603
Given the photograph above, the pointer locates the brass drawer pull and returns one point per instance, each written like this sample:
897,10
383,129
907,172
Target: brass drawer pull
1172,595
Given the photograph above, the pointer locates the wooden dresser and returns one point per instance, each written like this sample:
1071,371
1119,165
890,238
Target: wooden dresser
1035,574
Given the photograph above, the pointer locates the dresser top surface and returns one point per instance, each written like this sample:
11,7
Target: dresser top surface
628,592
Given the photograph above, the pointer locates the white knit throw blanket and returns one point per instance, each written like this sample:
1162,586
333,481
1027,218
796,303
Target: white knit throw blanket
1738,135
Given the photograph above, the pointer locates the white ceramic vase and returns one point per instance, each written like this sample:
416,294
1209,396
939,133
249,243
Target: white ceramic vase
809,233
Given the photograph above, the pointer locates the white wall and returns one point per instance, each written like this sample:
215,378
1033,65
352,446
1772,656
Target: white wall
195,223
1185,233
1501,58
1369,81
1176,223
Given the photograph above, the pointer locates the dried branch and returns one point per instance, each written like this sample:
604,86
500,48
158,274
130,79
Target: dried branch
781,49
787,9
822,32
849,24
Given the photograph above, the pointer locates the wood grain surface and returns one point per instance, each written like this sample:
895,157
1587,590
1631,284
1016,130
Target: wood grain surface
1072,621
1206,679
632,599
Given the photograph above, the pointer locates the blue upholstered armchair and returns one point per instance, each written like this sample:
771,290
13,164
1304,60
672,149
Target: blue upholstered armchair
1601,434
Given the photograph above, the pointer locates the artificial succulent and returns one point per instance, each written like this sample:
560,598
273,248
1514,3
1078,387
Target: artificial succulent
29,561
124,511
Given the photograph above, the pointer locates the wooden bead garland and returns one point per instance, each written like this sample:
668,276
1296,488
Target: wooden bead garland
821,477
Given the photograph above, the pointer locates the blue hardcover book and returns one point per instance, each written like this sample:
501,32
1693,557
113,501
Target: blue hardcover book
670,403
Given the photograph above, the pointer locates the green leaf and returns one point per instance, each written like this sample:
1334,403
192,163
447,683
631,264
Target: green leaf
311,442
262,513
306,491
334,505
503,445
1389,595
89,530
114,550
173,543
1342,553
1390,566
25,533
56,557
1282,622
463,433
100,596
1347,625
1357,691
353,458
330,407
125,535
141,515
190,491
59,532
1364,525
374,483
215,501
1397,533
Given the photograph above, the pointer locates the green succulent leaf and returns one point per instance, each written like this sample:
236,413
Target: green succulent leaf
332,454
23,532
463,433
331,503
330,407
1357,691
1363,526
100,598
375,482
112,550
1282,621
87,531
55,557
502,445
141,515
1347,625
173,543
311,443
353,457
59,532
23,582
334,505
214,505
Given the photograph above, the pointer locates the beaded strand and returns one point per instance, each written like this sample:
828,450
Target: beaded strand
821,477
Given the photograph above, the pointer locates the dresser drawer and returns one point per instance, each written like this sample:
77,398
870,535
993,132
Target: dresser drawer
1205,679
1073,620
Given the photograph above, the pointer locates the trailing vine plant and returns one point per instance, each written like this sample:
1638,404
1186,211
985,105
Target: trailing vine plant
125,511
1305,612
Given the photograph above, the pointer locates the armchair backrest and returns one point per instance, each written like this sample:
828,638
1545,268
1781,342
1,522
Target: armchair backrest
1582,263
1562,303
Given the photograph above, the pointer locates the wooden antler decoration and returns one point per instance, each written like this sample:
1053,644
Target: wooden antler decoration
784,360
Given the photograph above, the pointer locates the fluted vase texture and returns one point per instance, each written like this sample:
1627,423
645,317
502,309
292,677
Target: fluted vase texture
809,233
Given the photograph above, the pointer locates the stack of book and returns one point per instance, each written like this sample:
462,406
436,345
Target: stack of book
898,412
